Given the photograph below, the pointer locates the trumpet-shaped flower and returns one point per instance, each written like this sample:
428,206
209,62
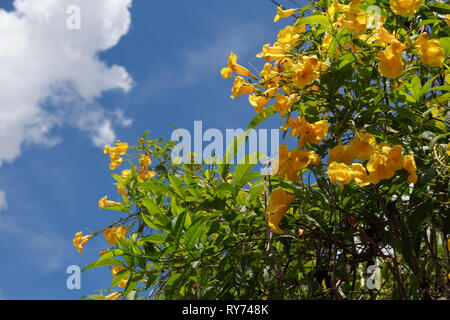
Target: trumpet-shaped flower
145,160
227,72
359,174
79,241
362,146
391,64
405,7
103,202
305,71
279,202
113,233
339,173
274,53
430,51
283,13
284,103
313,133
379,168
340,153
410,166
240,87
121,148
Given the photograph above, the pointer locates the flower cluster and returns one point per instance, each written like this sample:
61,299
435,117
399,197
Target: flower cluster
115,153
111,234
291,70
383,161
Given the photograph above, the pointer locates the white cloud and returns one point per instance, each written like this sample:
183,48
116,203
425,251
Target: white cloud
51,76
3,203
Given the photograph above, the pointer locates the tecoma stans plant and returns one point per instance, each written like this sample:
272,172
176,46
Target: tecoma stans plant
361,181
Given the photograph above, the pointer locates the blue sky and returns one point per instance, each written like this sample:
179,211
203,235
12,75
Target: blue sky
53,170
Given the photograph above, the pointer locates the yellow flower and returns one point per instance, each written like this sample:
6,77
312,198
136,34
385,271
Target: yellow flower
123,282
288,37
120,190
279,202
309,132
113,296
227,72
379,168
339,173
283,104
394,157
333,9
103,202
114,271
362,146
121,148
79,241
447,19
359,174
326,42
145,160
340,153
381,36
115,163
270,76
113,233
391,64
313,133
126,174
352,18
240,87
405,7
283,13
430,51
314,158
260,101
290,162
410,166
272,53
144,173
305,72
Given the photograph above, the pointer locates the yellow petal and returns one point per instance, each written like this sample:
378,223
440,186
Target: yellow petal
283,13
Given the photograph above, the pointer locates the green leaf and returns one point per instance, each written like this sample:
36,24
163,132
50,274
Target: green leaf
104,262
224,164
179,227
118,277
439,7
445,43
171,284
315,19
155,238
242,174
156,218
132,283
194,234
151,206
178,186
269,111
